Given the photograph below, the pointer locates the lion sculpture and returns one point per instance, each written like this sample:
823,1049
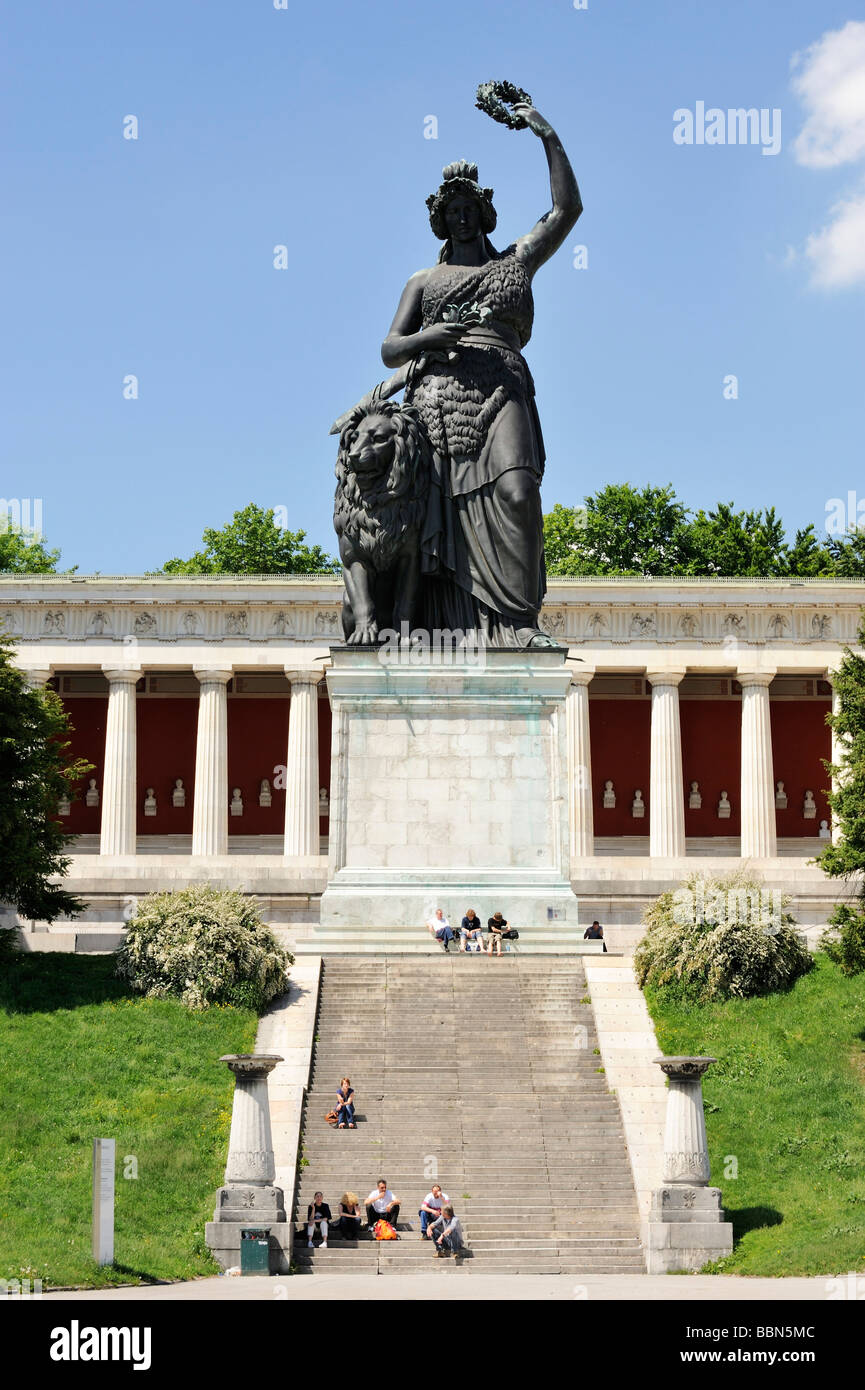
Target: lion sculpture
383,479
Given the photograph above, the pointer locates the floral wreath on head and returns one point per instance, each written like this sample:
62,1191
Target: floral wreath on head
460,178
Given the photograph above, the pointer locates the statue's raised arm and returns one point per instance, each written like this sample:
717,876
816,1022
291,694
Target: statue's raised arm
547,235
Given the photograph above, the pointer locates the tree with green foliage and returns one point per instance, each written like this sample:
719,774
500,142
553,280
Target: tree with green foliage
620,530
23,552
35,773
647,531
253,543
845,940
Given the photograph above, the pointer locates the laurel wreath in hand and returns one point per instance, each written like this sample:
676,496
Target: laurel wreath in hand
496,98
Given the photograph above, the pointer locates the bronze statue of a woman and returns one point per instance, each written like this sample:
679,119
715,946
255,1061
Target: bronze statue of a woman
463,322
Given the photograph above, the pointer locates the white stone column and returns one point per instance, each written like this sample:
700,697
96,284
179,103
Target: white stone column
210,804
757,788
686,1152
301,762
580,810
119,773
666,785
836,753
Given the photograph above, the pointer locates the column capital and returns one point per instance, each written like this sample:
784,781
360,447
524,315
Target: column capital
217,675
760,678
580,675
36,675
122,675
305,675
659,676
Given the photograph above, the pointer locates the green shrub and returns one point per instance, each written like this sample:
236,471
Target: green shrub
10,946
204,946
844,941
720,938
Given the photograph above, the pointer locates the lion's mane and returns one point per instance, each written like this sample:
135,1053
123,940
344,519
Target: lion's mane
375,512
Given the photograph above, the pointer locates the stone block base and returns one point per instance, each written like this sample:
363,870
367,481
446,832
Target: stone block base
250,1205
223,1242
685,1245
355,899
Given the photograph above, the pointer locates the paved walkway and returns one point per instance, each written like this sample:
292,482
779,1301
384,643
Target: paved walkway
448,1282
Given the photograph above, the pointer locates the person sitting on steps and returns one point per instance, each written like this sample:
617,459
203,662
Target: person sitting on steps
431,1208
381,1202
439,928
499,931
345,1105
349,1216
447,1233
317,1214
470,931
595,933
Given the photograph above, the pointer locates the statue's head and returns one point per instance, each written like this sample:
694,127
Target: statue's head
460,203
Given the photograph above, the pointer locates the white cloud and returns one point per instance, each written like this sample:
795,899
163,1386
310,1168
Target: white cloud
829,78
837,251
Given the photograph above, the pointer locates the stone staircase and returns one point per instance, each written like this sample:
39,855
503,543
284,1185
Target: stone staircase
480,1074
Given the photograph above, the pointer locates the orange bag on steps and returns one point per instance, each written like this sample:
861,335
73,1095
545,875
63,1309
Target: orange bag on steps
383,1230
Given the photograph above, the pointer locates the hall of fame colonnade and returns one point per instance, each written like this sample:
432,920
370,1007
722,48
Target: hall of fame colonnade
695,724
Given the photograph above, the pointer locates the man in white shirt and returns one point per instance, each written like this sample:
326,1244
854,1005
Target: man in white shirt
381,1202
431,1208
439,928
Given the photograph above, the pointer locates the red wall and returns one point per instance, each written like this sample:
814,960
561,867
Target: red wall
800,738
711,755
166,751
257,743
87,741
619,733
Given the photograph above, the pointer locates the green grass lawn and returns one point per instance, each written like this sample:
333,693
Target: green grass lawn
82,1057
785,1117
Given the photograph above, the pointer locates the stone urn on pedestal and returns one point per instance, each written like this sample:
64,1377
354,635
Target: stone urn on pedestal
686,1227
248,1197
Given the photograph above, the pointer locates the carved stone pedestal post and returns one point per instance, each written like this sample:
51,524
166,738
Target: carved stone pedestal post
249,1197
686,1227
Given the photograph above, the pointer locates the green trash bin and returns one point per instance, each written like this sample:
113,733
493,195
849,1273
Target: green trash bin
255,1250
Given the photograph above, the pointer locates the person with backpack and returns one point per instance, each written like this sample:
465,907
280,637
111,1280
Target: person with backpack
499,931
381,1204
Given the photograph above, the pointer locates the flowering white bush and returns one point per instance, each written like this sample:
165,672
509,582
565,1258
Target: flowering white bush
720,938
205,946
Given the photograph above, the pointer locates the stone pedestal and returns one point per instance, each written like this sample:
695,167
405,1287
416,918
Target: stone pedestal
249,1197
448,788
686,1227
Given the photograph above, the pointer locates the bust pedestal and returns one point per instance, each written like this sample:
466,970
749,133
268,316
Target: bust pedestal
448,787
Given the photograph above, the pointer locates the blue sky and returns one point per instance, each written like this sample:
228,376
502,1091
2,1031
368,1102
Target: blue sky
305,127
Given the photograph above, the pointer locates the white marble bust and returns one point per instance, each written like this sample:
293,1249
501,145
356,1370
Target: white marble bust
64,807
323,801
150,803
809,808
264,794
695,800
92,795
178,796
825,832
780,797
638,805
236,807
609,797
724,807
